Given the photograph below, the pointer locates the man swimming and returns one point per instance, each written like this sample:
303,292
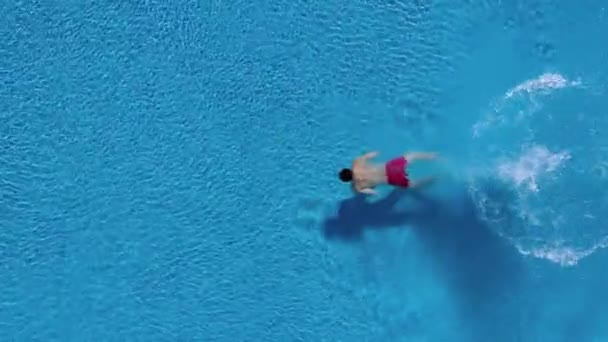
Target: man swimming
365,177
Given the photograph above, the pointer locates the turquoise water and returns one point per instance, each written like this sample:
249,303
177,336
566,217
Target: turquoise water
168,171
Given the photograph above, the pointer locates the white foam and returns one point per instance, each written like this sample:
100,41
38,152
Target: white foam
562,255
534,162
540,220
479,126
547,81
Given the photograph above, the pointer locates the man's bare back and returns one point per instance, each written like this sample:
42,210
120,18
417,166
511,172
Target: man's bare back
365,176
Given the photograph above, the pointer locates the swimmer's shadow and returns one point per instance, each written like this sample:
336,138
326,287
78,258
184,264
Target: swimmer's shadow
357,213
481,265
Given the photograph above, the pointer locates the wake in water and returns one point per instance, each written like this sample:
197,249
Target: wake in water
543,169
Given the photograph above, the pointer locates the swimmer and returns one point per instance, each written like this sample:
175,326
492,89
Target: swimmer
364,177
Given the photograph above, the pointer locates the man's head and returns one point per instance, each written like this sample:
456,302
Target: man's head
346,175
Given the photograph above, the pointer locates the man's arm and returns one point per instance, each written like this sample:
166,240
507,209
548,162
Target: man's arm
363,158
368,191
369,155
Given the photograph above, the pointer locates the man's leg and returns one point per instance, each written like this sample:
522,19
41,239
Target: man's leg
422,182
413,156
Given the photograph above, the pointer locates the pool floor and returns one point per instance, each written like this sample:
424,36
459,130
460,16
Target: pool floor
169,171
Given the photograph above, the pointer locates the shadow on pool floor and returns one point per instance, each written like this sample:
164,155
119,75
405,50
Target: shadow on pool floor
483,269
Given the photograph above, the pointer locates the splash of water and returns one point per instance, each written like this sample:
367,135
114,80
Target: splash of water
527,168
541,191
544,82
562,255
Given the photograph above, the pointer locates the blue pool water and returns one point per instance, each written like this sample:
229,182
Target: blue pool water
168,171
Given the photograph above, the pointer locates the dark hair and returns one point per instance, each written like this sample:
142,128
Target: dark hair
346,175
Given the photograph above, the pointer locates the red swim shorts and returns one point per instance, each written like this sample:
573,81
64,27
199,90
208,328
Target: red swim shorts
395,172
